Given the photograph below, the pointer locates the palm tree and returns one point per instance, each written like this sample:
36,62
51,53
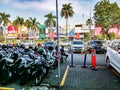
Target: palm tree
67,11
19,22
4,19
34,25
90,23
50,22
28,24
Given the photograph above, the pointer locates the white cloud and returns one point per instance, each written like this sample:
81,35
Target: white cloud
48,5
79,6
5,1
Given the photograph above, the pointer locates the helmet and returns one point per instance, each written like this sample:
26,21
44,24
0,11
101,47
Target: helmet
22,46
30,47
4,46
36,48
40,50
39,44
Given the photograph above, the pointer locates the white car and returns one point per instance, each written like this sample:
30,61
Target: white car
65,43
113,55
77,46
28,43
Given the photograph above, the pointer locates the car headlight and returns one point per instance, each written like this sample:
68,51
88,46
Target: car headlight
102,47
91,46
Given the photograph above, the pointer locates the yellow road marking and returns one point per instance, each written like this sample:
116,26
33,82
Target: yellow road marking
64,77
4,88
115,72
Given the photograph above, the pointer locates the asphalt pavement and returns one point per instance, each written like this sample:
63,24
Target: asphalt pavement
77,78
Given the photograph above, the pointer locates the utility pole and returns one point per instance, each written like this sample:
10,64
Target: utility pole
90,22
57,37
5,33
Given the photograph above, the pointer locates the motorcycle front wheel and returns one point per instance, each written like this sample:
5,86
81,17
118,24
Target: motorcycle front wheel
38,79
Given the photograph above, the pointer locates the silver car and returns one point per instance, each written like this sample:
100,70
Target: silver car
77,46
113,55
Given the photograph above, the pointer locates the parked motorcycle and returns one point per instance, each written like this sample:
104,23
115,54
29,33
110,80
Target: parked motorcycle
32,71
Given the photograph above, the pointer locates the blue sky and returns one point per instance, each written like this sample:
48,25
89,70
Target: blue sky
39,8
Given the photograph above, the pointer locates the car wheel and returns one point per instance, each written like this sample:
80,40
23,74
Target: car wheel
108,62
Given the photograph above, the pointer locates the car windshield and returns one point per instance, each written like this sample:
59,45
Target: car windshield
119,44
49,43
116,44
96,42
77,42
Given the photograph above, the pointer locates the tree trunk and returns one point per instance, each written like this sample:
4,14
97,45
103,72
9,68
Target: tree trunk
66,27
51,31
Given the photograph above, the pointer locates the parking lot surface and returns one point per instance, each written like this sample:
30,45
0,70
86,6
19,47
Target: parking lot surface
76,78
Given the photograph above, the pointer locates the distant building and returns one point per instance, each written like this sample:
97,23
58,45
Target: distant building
114,28
81,29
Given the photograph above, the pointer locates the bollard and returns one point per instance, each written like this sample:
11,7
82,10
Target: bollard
71,64
93,51
84,65
69,50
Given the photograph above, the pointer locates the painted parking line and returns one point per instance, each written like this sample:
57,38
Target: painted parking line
105,67
64,77
4,88
115,72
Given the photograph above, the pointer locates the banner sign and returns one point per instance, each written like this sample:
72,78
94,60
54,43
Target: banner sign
71,33
42,35
77,35
12,30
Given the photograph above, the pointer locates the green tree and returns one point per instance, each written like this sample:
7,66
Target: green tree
2,38
4,19
27,24
112,35
34,25
50,22
86,36
89,22
106,14
66,12
19,22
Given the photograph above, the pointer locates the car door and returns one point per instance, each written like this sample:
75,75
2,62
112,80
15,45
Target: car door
117,62
115,56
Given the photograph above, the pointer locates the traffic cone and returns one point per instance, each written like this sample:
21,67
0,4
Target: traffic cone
94,61
81,52
92,51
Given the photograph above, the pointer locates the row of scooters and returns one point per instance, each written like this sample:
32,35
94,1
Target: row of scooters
26,65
